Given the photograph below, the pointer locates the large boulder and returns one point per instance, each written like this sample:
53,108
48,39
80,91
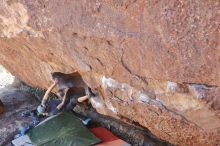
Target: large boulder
154,63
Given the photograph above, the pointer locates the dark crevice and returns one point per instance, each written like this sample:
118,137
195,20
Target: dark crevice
132,133
205,86
143,79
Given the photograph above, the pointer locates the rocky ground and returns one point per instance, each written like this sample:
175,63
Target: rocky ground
15,101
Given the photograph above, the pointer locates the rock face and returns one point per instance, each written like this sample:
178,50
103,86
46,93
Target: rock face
152,62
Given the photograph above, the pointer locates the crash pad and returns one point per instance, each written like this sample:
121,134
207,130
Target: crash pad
108,139
64,129
117,142
103,134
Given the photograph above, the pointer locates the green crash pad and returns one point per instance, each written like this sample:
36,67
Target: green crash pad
64,129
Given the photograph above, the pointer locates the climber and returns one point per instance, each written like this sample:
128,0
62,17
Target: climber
69,97
75,84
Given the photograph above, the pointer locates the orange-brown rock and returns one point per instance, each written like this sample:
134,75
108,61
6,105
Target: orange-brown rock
152,62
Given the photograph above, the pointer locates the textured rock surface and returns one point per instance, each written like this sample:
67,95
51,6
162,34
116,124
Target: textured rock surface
16,101
153,62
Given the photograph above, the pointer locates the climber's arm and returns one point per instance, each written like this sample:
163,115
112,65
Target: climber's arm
46,95
63,100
